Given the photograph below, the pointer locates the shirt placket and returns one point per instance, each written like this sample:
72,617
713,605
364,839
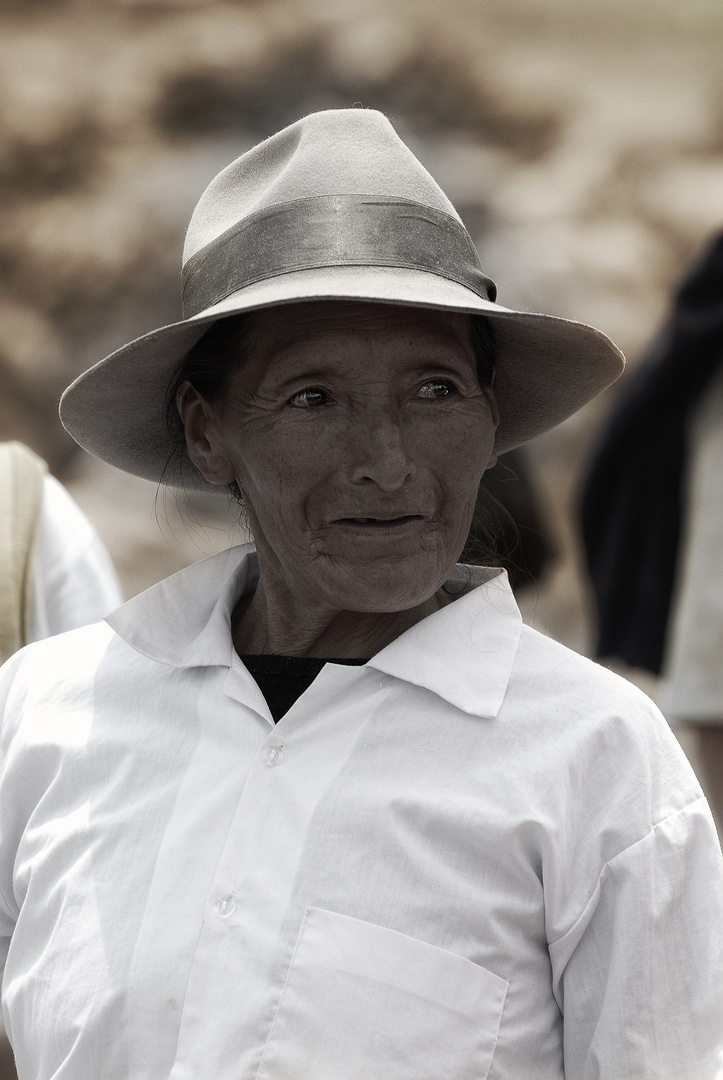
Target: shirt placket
185,863
245,941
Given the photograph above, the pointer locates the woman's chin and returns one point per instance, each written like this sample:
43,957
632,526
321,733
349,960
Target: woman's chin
384,585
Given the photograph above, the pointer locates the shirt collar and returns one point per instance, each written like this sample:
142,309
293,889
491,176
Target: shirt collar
463,653
185,620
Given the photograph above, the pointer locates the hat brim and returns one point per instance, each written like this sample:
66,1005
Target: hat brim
547,367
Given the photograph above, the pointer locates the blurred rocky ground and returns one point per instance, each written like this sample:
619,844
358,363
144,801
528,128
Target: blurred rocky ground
581,140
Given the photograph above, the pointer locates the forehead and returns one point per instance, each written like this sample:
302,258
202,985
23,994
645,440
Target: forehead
303,328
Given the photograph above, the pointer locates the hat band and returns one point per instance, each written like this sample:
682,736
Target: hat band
327,231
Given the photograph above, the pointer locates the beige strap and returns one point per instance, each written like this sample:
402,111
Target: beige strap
21,499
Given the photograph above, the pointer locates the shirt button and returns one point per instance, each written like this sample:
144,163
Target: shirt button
224,906
273,754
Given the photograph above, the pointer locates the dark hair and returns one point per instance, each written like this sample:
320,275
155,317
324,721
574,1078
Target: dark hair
485,351
209,365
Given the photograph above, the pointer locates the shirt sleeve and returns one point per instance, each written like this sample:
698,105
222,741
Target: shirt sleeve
74,582
639,976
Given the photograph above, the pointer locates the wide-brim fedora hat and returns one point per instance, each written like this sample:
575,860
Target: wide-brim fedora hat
333,207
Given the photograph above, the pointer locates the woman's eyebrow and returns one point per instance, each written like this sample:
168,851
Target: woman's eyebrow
301,373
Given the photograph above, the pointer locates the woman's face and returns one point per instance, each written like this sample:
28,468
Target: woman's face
358,434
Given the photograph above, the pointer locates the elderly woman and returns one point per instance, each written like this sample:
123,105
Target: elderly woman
320,807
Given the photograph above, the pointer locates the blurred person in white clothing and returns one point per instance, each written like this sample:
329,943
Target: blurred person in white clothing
74,580
56,574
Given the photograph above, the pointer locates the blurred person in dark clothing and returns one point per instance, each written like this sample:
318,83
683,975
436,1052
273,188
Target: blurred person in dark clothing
652,515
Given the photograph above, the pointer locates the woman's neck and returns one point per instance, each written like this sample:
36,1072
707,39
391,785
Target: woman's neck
261,624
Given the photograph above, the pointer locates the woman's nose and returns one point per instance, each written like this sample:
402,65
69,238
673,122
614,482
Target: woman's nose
379,455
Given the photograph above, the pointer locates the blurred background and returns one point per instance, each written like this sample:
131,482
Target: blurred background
581,141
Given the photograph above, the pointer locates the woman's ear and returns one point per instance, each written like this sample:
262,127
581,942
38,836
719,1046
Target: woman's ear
203,441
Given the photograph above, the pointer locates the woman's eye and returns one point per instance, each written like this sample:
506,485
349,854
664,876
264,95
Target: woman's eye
307,399
435,389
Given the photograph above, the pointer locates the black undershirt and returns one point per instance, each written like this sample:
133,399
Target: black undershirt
283,679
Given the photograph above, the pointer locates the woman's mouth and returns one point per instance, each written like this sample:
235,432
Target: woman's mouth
381,523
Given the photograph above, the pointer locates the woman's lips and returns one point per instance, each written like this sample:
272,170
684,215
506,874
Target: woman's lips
380,524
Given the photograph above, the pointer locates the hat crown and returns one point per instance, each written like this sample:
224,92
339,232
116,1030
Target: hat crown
335,152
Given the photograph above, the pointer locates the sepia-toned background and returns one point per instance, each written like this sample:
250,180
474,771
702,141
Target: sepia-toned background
581,140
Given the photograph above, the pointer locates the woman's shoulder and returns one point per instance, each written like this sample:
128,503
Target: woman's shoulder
543,662
52,655
608,736
54,668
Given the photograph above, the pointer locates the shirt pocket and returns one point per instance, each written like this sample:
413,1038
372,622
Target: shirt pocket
362,1002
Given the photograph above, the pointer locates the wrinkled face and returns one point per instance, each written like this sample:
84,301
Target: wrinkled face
358,434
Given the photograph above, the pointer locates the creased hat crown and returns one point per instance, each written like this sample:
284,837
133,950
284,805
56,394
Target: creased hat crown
336,152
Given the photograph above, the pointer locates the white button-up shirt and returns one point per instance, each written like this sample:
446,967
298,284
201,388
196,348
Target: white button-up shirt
477,856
